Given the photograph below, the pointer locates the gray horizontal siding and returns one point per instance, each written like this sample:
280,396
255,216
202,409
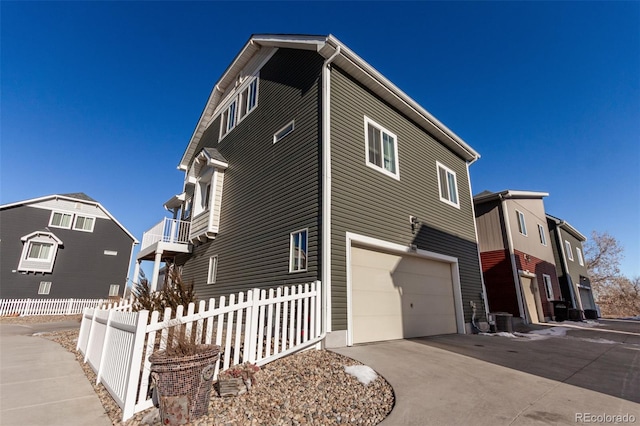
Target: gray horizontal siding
367,202
270,190
81,269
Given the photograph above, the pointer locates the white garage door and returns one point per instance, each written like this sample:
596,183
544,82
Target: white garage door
395,296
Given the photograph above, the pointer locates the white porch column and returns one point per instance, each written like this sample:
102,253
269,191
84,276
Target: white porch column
156,271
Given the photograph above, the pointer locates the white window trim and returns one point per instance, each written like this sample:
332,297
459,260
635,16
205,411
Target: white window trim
291,250
212,272
567,247
580,257
521,224
236,97
542,235
110,252
284,131
548,286
395,175
111,290
439,166
45,287
75,221
54,212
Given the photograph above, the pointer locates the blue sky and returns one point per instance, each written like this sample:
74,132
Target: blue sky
102,97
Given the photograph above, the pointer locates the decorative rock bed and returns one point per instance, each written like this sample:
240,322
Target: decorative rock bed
311,387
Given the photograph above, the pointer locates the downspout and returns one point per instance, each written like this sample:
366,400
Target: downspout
475,228
326,189
514,269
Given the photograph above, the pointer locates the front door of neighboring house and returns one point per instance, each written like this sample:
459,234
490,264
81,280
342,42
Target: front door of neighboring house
532,299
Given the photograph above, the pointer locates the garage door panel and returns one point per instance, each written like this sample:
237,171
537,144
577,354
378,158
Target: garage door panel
415,284
429,306
395,297
372,259
378,328
385,303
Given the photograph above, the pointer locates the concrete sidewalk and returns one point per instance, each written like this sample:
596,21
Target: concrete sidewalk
434,386
41,383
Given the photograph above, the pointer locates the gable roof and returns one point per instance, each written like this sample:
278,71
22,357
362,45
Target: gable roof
485,196
76,196
567,227
354,65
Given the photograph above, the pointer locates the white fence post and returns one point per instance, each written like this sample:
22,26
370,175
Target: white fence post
26,308
133,370
253,329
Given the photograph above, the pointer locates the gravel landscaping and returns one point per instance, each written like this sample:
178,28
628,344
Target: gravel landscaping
310,387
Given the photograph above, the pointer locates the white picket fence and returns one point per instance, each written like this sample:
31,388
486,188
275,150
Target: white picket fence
26,307
258,328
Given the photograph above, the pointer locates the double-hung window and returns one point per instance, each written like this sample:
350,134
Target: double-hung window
381,148
547,286
84,223
543,237
45,287
61,220
567,246
40,251
522,225
213,270
580,258
298,251
448,185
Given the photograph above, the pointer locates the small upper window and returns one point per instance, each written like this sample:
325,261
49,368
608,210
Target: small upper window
580,258
45,287
522,225
567,246
543,237
84,223
61,220
448,185
381,148
241,105
114,290
213,270
280,134
298,251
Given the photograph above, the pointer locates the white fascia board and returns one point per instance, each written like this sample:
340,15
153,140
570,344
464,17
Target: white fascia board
509,194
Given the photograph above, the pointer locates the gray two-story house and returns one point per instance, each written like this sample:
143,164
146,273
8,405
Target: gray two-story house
62,246
570,264
307,164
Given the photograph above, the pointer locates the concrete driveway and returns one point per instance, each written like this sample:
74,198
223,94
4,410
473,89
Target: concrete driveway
492,380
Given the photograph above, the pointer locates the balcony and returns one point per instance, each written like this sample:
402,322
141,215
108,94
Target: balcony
169,236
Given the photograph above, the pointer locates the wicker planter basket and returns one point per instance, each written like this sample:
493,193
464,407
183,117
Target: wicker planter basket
184,383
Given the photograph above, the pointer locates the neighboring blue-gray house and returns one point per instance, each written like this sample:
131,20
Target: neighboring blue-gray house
62,246
307,164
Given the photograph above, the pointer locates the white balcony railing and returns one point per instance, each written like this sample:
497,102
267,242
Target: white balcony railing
167,231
